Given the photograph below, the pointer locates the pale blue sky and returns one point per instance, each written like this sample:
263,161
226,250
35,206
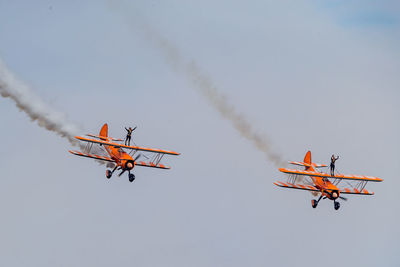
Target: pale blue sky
309,74
363,13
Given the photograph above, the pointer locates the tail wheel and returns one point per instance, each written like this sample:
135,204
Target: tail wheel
314,203
131,177
337,205
108,174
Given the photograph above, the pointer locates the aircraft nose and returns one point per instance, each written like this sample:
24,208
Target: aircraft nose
129,165
334,195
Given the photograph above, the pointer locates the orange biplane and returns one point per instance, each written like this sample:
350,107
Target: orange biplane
118,158
324,184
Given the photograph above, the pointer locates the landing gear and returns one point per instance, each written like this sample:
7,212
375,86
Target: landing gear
336,205
131,177
110,173
314,203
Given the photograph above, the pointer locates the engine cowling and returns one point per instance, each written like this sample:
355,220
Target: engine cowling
335,194
129,165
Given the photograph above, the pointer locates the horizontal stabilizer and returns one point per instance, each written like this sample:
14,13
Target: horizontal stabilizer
316,165
296,186
105,138
78,153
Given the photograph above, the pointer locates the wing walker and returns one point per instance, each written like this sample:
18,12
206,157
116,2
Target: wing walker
328,186
116,155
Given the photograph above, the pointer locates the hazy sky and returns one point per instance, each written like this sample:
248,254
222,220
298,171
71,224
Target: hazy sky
310,75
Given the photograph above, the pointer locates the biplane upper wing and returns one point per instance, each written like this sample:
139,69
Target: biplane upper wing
93,156
338,176
355,191
151,165
128,147
296,186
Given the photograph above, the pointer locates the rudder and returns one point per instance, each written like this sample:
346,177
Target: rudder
104,131
307,158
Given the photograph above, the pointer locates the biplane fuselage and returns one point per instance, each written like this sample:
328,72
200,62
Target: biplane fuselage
121,158
328,189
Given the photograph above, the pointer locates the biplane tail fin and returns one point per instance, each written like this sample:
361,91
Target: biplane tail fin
307,158
104,131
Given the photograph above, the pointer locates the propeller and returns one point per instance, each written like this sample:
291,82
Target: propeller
332,195
131,167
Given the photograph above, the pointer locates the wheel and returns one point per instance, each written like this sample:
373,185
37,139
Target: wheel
337,205
108,174
131,177
314,203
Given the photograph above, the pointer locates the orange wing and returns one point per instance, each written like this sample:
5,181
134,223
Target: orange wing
152,165
78,153
297,186
355,191
338,176
128,147
139,163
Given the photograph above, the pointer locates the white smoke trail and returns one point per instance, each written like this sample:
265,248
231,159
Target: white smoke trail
221,103
201,82
47,118
34,107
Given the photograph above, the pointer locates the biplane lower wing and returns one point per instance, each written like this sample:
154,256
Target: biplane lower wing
296,186
140,163
338,176
78,153
146,149
152,165
355,191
